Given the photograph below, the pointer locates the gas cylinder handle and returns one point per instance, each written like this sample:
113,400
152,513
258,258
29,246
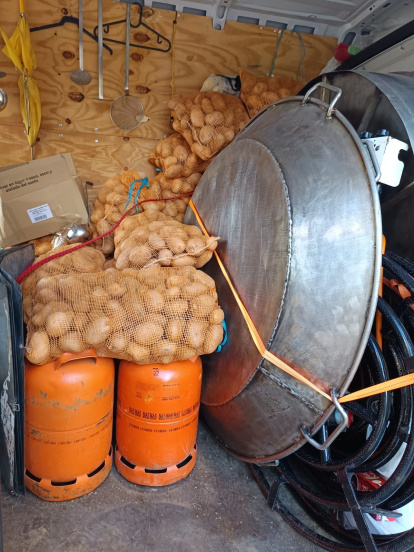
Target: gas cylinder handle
68,357
323,446
331,106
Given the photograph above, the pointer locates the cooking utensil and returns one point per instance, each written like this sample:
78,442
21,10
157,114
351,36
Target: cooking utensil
305,257
100,50
80,76
127,112
3,99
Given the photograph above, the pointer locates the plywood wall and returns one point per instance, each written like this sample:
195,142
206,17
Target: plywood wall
84,128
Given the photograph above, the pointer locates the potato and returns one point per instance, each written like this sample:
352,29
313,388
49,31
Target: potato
170,161
175,330
193,231
284,93
259,88
202,305
140,255
195,333
215,119
166,149
154,301
173,171
176,244
203,259
195,246
38,348
165,350
58,323
114,308
147,333
175,280
216,316
213,338
207,134
103,226
218,142
176,307
192,290
117,344
99,296
201,277
155,241
193,161
46,295
206,106
183,260
228,134
140,235
72,343
155,226
197,116
271,97
138,354
164,257
98,331
172,293
116,290
218,102
170,210
108,246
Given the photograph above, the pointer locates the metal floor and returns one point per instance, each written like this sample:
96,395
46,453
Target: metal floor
217,508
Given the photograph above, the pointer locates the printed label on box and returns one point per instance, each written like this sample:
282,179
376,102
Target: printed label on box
40,213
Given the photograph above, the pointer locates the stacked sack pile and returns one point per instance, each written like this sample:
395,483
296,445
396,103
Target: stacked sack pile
205,122
155,306
259,92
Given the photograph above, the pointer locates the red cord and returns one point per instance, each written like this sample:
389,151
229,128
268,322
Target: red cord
34,266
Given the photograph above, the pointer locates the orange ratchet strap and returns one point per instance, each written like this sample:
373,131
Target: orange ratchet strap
273,359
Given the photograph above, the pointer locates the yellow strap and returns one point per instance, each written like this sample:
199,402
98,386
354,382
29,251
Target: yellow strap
396,383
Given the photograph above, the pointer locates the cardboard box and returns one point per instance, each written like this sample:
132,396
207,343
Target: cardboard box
38,198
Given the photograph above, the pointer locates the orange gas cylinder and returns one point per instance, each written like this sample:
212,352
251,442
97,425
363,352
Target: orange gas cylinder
68,425
156,422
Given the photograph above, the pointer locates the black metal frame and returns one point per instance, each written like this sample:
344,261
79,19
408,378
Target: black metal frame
323,481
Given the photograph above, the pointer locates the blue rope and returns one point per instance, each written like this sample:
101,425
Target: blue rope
145,184
300,68
275,56
224,338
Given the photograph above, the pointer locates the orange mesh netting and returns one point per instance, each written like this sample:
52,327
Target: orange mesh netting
152,315
83,260
113,199
208,121
174,156
153,238
258,92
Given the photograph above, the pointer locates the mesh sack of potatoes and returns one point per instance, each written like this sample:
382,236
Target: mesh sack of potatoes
42,245
174,157
83,260
115,197
152,315
208,121
152,238
258,92
161,188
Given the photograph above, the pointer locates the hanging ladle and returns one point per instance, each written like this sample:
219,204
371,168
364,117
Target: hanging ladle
80,76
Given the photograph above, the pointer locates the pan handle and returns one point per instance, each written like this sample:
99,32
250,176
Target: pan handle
331,106
323,446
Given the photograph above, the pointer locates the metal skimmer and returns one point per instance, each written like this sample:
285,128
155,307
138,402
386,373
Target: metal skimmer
127,112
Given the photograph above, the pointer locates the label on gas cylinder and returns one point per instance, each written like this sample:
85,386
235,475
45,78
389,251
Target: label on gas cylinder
163,416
